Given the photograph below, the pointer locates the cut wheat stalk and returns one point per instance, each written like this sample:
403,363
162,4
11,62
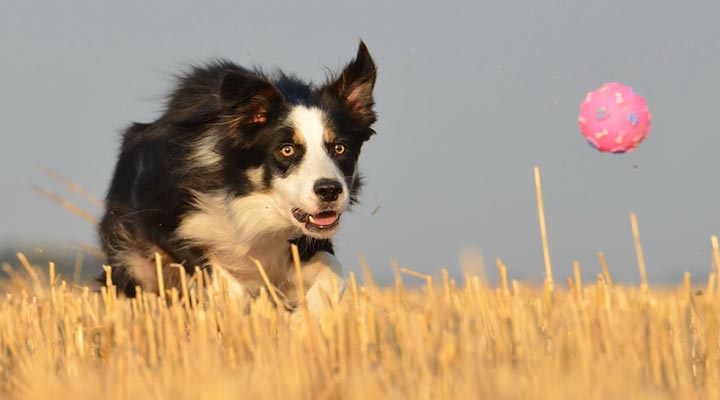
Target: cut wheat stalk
66,204
70,185
543,229
639,253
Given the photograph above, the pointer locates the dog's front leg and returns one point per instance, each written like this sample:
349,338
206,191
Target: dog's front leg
222,279
322,276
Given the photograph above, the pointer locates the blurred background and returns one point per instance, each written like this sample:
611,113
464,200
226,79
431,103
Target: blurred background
470,96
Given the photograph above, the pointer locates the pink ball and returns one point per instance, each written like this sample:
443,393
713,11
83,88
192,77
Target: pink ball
614,118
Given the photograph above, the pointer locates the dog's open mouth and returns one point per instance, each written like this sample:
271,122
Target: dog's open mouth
323,220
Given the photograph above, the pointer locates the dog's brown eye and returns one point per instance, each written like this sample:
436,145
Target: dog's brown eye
287,151
339,149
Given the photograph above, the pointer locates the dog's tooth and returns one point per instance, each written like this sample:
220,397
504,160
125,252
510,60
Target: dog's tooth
311,219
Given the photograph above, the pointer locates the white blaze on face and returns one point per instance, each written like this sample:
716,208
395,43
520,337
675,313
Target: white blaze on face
296,190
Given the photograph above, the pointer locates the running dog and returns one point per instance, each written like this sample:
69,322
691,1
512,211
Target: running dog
240,165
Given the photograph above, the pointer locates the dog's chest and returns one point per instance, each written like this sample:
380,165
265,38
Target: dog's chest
240,263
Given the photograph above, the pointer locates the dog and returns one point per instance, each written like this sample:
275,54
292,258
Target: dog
241,165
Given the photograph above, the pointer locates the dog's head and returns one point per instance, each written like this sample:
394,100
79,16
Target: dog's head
305,140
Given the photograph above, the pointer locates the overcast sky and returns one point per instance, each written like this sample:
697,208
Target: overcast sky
470,97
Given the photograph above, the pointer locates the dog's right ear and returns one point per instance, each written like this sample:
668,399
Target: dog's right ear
250,96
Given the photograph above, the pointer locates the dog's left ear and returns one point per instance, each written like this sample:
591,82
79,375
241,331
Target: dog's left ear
354,86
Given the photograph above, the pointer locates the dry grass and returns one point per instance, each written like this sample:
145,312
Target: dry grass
450,341
442,340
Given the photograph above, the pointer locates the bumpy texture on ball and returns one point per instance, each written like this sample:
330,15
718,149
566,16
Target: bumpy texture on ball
614,118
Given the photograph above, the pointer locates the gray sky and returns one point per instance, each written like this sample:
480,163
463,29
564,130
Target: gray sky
470,97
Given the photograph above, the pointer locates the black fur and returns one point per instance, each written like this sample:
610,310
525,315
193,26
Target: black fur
242,111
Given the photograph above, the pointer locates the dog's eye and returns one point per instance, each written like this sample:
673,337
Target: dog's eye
287,151
340,149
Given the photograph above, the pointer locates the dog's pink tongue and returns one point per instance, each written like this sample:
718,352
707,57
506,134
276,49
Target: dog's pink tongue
326,218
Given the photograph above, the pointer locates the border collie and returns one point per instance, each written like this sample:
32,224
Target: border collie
240,165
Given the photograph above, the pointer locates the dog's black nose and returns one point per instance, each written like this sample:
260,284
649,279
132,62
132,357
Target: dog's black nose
328,189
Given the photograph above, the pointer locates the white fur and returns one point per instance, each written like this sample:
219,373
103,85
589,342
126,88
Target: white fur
237,230
319,273
245,219
143,269
256,176
309,124
234,287
204,153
